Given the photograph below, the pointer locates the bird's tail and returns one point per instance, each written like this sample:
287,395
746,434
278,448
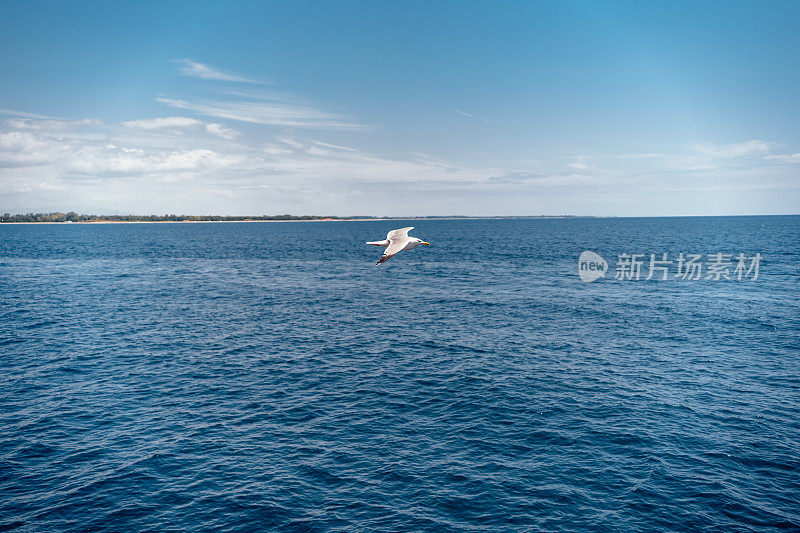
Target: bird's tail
379,243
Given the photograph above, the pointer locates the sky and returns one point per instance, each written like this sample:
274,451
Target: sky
403,108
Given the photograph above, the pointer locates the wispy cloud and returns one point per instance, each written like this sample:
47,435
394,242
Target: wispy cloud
50,124
190,67
163,122
747,148
579,164
549,180
785,158
252,105
266,112
180,123
141,169
119,152
638,156
23,114
470,115
335,146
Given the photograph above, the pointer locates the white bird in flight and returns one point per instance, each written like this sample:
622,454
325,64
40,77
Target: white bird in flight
397,240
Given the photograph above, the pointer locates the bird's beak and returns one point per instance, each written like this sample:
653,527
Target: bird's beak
426,243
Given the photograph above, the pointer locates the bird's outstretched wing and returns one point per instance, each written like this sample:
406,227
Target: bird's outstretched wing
394,247
401,233
398,238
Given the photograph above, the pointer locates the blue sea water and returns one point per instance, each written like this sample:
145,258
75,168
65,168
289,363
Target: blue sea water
267,376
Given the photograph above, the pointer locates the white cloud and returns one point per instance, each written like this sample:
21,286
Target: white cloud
189,67
747,148
290,142
73,159
221,131
290,169
20,142
269,113
126,161
335,146
470,115
181,123
785,158
276,149
639,156
64,153
579,164
253,105
23,114
187,163
698,168
162,122
49,124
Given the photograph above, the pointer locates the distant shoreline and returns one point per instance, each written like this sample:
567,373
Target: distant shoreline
97,220
293,220
184,219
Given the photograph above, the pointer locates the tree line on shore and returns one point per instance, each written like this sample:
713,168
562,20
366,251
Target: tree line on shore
72,216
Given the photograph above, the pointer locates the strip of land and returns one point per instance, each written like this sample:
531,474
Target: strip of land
73,217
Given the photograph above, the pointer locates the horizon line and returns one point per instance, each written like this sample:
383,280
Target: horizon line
58,217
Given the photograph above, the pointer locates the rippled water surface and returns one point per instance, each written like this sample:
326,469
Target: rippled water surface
259,376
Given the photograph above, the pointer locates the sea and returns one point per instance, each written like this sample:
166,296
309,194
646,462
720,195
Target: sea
267,376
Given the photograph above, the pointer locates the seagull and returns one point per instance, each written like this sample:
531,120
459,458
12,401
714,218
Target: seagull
397,240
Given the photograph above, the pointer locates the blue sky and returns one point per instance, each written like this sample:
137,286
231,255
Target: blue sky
400,108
